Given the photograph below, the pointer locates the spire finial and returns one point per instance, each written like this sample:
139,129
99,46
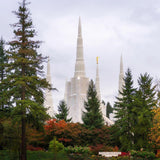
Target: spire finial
97,59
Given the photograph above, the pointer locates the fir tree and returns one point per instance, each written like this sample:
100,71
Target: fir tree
109,109
123,107
92,117
63,112
25,80
144,103
3,62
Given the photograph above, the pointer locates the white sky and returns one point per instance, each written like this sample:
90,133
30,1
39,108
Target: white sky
109,28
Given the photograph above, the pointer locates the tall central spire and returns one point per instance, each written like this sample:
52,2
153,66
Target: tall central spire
48,103
121,76
79,66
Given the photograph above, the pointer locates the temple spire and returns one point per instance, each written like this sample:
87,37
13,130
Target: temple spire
121,76
97,80
48,94
79,66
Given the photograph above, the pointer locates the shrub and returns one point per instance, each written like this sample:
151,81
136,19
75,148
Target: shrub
144,155
55,146
100,147
32,148
76,149
121,158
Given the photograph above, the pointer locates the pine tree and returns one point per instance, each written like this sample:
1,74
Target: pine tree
3,62
123,107
25,80
109,109
63,112
92,117
145,101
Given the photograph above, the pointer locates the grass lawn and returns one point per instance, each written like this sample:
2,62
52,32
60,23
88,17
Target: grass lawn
33,155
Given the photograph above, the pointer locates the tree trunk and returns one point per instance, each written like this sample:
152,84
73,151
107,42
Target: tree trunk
23,127
23,138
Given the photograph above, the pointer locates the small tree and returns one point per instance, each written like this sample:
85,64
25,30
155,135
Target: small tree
109,109
92,117
63,112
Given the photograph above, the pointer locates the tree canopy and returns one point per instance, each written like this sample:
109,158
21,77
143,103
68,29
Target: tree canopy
92,117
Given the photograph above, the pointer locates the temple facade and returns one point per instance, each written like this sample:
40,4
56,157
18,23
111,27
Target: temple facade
76,88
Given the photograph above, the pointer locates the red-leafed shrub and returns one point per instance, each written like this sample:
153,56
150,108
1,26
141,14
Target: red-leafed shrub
72,134
115,149
124,154
32,148
100,147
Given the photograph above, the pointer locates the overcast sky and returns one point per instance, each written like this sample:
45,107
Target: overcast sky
109,28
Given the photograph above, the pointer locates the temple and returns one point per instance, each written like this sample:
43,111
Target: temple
76,89
48,103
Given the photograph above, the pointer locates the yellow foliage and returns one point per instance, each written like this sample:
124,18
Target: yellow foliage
155,130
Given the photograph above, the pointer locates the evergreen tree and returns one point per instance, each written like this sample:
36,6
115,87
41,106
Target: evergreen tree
92,117
25,80
3,62
144,103
124,116
63,112
109,109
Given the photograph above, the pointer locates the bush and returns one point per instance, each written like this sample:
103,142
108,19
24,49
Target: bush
143,155
121,158
78,150
100,148
55,146
32,148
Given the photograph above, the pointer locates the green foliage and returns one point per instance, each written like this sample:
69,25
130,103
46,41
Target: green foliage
63,112
121,158
4,100
10,137
109,109
143,115
142,155
71,134
24,68
134,113
55,146
92,118
76,149
124,116
79,153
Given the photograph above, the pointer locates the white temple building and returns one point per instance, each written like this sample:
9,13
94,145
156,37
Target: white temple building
76,89
48,103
